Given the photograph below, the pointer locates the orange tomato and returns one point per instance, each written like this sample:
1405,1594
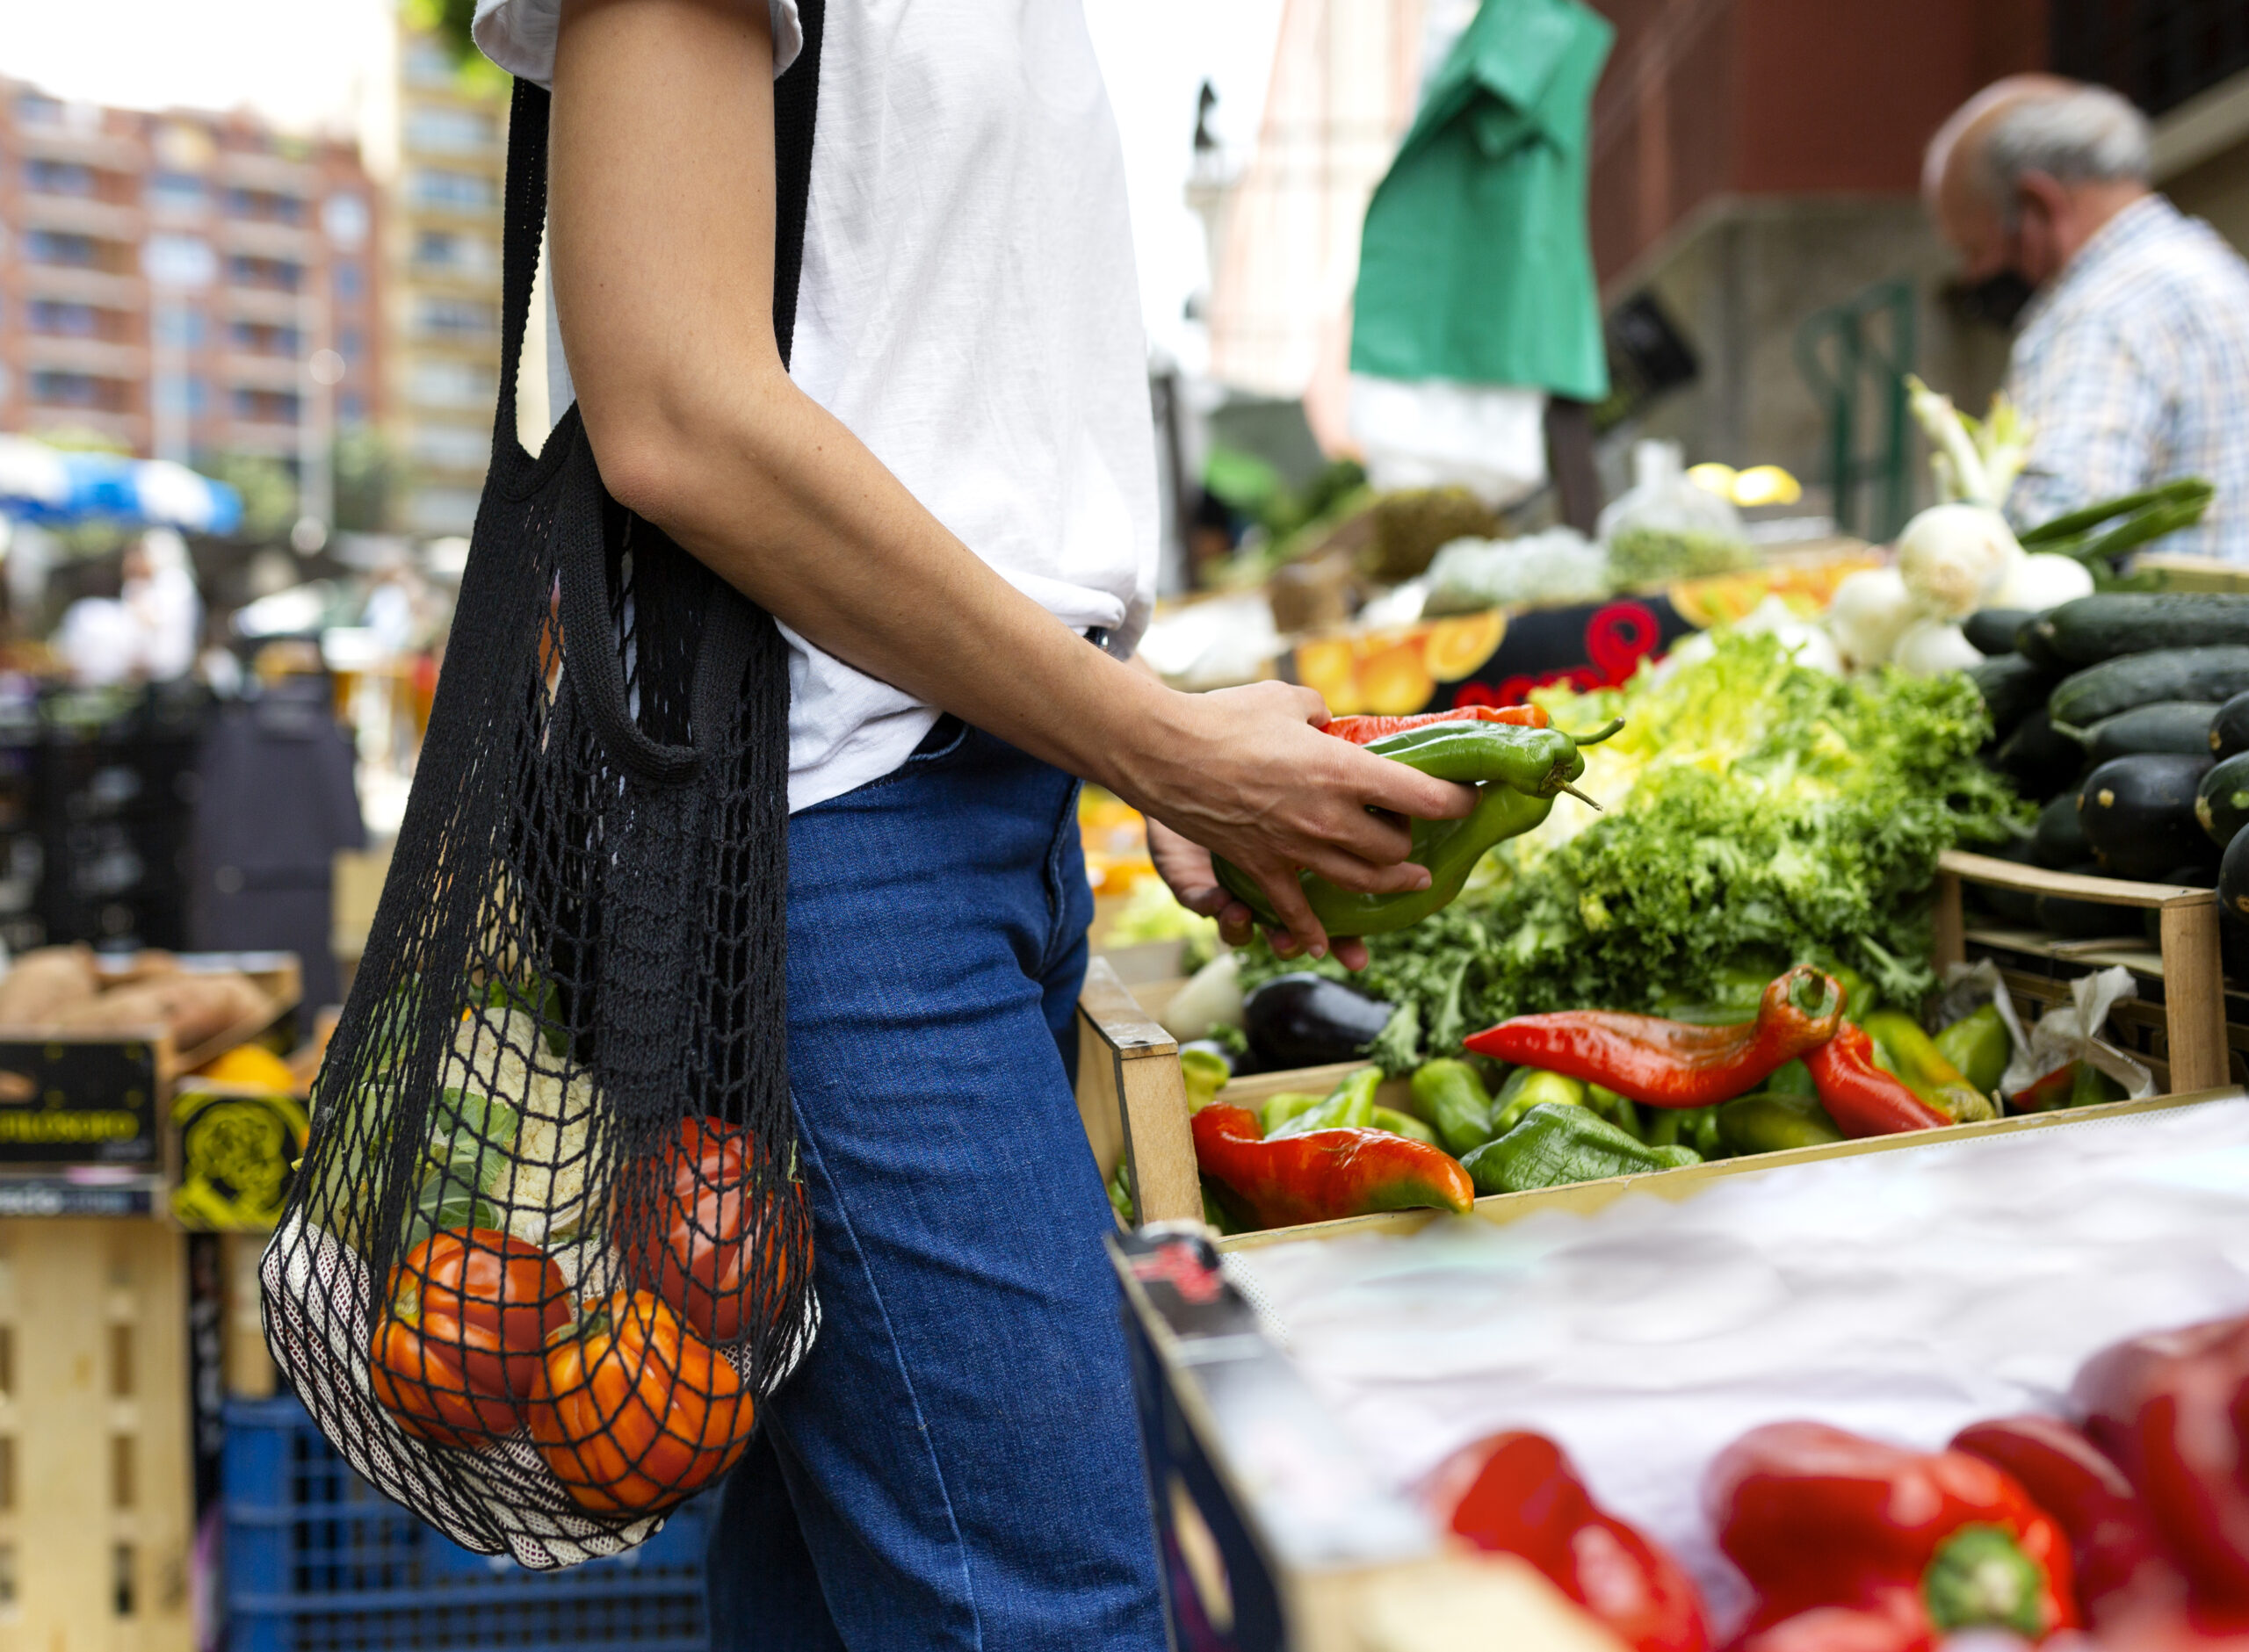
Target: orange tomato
632,1410
461,1337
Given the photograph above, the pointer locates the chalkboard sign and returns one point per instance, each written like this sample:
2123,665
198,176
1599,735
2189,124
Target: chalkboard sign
78,1102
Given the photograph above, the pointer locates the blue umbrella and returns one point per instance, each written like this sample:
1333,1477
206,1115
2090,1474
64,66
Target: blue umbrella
42,485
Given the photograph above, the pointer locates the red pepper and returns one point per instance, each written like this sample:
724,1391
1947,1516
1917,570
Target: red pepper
1815,1517
1845,1629
1674,1063
1361,731
1859,1096
2173,1409
1518,1494
2114,1553
1325,1174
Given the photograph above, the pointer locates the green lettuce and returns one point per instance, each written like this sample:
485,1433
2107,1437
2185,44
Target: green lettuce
1758,813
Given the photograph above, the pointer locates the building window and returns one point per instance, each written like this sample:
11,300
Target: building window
264,407
446,252
264,338
349,343
61,320
36,109
177,192
266,206
453,384
180,325
347,279
427,64
350,409
43,177
453,446
179,261
455,321
88,392
183,392
444,190
54,246
444,131
277,275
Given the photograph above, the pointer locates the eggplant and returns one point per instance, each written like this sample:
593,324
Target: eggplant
2230,728
2014,904
2233,879
2138,813
1303,1019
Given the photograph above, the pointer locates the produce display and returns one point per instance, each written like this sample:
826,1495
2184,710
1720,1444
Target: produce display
2126,1528
67,989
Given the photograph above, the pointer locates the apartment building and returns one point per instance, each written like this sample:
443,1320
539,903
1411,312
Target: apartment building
187,285
446,160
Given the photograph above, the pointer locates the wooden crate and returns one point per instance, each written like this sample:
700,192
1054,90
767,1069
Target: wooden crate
96,1517
2185,1040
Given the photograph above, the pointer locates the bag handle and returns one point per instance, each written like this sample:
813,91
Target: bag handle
723,651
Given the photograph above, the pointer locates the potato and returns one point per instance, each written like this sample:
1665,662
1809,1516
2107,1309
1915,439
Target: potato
45,984
150,963
195,1008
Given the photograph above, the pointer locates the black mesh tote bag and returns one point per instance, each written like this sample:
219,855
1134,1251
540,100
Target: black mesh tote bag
548,1251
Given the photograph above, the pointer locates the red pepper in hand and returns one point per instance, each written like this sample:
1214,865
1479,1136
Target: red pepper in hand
1815,1517
2115,1554
1859,1096
1518,1494
1362,731
1667,1064
2173,1409
1324,1174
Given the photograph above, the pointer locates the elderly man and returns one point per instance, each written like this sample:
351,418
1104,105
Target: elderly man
2132,363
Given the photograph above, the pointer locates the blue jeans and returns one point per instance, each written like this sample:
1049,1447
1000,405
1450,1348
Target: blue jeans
956,1464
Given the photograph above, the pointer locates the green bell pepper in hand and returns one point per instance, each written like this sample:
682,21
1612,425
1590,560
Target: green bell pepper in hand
1556,1145
1453,1099
1518,773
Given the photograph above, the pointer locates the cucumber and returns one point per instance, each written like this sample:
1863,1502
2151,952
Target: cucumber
2233,880
2041,762
2216,674
2059,843
2168,725
2230,728
2085,919
2138,813
2013,688
1993,630
2222,801
2031,644
2093,629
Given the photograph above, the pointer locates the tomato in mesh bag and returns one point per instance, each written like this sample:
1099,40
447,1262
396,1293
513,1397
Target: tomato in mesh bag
695,1228
461,1337
633,1411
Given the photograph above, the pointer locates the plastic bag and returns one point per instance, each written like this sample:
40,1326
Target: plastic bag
1666,528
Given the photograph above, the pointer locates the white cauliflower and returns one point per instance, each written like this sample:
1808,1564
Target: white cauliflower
538,1179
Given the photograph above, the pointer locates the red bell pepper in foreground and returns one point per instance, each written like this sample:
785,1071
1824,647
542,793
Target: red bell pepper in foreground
2115,1556
1816,1518
2171,1409
1845,1629
1362,731
1667,1064
1860,1097
1518,1494
1324,1174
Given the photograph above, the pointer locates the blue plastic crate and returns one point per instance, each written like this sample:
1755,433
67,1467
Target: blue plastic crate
318,1561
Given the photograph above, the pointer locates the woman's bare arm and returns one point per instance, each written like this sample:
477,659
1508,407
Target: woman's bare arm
662,242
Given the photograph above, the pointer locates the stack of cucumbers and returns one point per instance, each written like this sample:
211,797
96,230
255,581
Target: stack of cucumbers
2127,716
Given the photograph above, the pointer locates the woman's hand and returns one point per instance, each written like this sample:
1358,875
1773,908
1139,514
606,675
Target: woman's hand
1246,772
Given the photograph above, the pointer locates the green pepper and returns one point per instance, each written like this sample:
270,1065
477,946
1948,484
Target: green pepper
1454,1099
1914,1058
1527,1087
1683,1127
1557,1145
1205,1072
1277,1110
1978,1045
2089,1086
1348,1107
1790,1079
1404,1124
1769,1124
1604,1103
1518,773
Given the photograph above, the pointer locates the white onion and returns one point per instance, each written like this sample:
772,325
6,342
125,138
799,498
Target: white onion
1955,557
2044,580
1931,646
1869,612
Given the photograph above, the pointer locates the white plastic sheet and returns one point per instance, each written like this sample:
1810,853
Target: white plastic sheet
1903,1294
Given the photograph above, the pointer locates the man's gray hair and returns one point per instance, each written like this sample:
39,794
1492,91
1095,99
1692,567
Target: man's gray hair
2085,135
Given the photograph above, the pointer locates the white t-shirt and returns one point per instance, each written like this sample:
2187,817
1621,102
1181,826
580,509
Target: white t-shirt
969,309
